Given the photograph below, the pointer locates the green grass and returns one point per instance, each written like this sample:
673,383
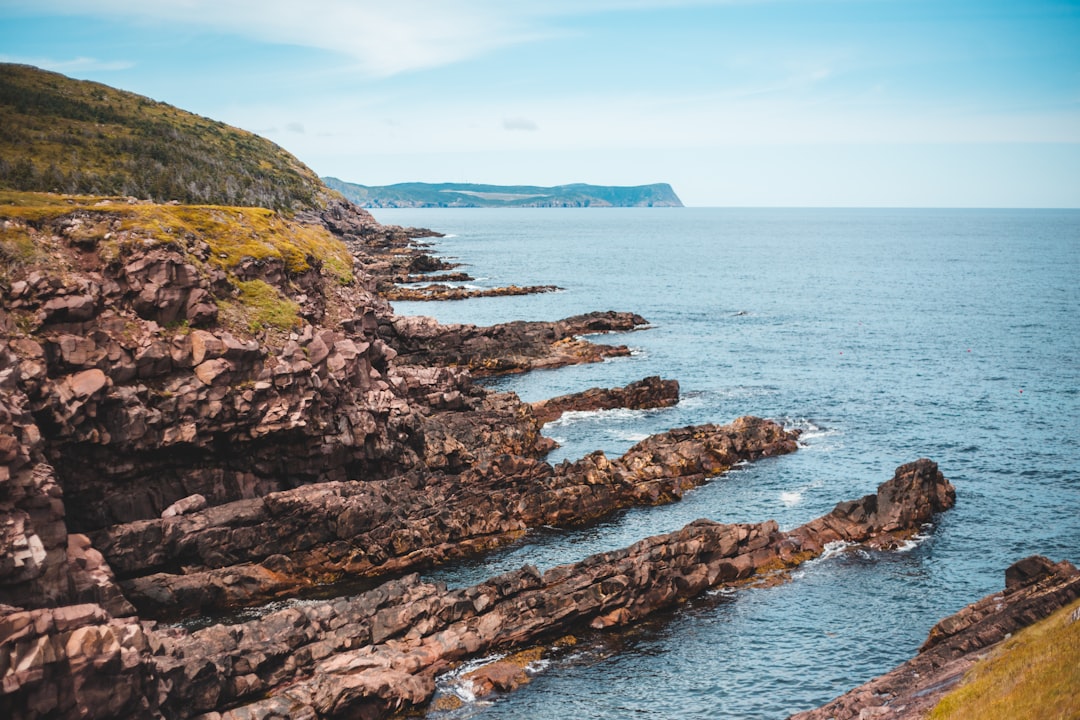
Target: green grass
1034,675
79,137
266,308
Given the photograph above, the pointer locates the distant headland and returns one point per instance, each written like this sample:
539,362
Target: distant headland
468,195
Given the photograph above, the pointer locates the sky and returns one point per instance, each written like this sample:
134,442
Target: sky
879,103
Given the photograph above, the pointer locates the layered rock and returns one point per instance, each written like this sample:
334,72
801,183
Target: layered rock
650,392
76,661
1035,588
380,651
512,347
252,550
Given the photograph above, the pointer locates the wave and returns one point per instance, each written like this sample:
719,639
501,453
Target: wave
791,498
917,539
580,417
811,434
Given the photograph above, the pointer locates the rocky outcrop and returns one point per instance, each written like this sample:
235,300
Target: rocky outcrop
512,347
449,292
651,392
1035,588
253,550
438,278
193,435
379,652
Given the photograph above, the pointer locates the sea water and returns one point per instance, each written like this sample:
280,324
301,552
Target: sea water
884,335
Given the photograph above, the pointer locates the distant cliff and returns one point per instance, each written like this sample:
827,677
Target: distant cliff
467,195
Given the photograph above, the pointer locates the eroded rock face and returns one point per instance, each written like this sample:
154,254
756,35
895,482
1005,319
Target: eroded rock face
41,563
141,400
651,392
252,550
379,652
1036,587
75,661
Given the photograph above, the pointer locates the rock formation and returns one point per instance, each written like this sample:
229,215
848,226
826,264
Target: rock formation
193,422
1035,587
253,550
378,652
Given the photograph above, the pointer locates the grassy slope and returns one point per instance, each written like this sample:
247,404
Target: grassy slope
72,136
1032,676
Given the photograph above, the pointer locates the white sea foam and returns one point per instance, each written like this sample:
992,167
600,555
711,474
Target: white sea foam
834,548
722,592
576,417
813,436
791,498
917,539
451,683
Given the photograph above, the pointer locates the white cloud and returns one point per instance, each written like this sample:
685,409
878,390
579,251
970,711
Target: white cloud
75,65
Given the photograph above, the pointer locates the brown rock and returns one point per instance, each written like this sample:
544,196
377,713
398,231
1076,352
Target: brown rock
87,383
651,392
510,347
411,520
212,372
375,653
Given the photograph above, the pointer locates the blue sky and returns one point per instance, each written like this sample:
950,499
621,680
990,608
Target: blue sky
739,103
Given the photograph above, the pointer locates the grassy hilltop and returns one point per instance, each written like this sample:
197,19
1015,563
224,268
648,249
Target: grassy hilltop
78,137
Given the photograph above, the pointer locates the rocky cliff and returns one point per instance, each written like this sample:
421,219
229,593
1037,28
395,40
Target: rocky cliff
204,408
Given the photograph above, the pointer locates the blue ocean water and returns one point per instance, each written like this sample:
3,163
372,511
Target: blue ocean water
886,335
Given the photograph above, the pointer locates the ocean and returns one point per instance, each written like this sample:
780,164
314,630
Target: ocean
884,335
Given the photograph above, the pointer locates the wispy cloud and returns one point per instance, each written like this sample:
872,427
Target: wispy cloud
520,123
383,38
75,65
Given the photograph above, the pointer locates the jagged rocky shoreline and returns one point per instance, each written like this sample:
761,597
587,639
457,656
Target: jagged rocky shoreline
160,459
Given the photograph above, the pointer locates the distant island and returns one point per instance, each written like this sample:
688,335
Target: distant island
468,195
